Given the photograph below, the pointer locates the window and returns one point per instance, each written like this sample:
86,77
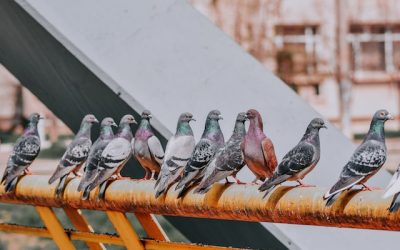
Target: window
296,49
375,48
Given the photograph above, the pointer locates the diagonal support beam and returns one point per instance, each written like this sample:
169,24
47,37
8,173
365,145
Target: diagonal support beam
126,232
81,224
55,228
151,226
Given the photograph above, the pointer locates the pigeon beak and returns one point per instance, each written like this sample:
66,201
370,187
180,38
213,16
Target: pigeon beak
150,116
134,121
114,124
192,119
95,120
41,118
220,117
324,126
389,116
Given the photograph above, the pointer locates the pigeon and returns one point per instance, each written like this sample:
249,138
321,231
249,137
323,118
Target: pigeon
394,189
106,135
147,148
25,150
211,141
229,160
258,150
75,155
367,159
113,158
177,154
299,161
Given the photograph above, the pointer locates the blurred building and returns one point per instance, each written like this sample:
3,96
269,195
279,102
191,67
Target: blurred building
343,57
17,103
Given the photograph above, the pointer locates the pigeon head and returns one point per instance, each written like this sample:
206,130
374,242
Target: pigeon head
90,119
146,115
255,119
241,117
186,117
214,115
317,123
382,115
34,118
183,127
127,119
108,121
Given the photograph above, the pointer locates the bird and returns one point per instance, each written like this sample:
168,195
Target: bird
177,154
75,155
366,160
25,151
211,141
300,160
393,188
113,158
106,135
258,149
229,160
147,148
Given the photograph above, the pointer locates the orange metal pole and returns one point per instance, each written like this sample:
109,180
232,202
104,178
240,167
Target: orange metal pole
354,209
151,226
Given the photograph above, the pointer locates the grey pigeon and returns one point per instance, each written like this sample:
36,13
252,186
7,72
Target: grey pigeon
106,135
258,150
367,159
75,155
299,161
211,141
229,160
113,158
177,154
393,188
147,148
25,150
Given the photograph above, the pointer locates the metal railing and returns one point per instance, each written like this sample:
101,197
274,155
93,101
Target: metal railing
353,209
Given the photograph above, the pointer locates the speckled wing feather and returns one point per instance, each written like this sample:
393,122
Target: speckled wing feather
269,154
75,155
296,160
116,153
366,160
26,149
156,149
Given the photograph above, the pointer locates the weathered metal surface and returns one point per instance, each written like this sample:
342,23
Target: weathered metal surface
354,209
151,226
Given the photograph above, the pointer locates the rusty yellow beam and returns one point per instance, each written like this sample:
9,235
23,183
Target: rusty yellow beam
353,209
107,238
80,223
55,228
151,226
126,232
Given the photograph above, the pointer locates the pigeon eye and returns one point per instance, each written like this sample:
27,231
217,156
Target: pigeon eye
382,113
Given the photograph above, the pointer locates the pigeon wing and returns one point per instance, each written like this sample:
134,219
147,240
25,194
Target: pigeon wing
269,154
156,149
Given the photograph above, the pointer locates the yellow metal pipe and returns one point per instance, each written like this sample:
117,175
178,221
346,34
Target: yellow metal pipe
353,209
107,238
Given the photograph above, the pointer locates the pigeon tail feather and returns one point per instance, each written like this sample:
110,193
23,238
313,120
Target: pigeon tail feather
331,199
10,186
86,193
395,205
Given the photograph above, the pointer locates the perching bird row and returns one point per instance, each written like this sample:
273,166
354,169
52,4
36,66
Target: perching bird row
203,164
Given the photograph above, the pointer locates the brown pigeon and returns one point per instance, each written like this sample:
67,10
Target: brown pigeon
258,150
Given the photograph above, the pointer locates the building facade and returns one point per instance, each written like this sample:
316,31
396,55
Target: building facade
343,57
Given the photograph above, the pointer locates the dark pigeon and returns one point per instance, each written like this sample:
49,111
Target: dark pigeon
25,151
106,135
394,189
368,158
229,160
211,141
113,158
177,154
75,155
147,148
259,152
299,161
